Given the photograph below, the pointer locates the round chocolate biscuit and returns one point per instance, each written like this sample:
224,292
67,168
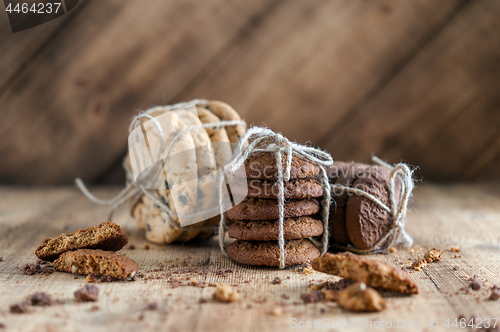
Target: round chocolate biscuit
263,166
346,174
268,230
267,253
266,209
366,221
293,189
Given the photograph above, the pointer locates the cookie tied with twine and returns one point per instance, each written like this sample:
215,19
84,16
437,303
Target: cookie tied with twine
376,208
216,127
263,140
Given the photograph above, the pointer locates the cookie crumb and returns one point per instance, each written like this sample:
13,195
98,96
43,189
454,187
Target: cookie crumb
131,247
152,306
475,284
455,249
495,293
393,250
30,269
277,311
203,300
223,272
95,308
21,307
433,255
225,293
1,259
146,246
419,265
276,281
91,278
311,297
87,293
41,298
361,298
456,267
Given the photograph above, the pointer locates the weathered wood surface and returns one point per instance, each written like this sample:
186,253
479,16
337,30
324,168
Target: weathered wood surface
466,216
407,80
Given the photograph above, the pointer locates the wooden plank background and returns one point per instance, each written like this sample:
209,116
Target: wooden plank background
416,81
465,216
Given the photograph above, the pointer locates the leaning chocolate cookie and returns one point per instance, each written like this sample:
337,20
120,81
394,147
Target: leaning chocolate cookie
343,174
366,221
268,230
293,189
263,166
266,209
268,253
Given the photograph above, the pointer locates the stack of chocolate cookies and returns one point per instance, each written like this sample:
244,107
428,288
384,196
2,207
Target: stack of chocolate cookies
254,222
356,220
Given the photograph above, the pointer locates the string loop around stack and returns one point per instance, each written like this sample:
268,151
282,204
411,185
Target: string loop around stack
134,190
398,210
265,140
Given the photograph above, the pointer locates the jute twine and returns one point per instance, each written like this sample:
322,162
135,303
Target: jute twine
398,210
134,190
265,140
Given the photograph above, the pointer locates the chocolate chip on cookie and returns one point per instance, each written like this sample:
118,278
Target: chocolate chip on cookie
105,236
268,230
267,253
265,209
366,221
101,263
263,166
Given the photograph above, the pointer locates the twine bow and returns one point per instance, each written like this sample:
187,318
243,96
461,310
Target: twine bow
265,140
398,210
134,190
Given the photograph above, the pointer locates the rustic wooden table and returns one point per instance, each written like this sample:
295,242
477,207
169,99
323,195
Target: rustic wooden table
465,216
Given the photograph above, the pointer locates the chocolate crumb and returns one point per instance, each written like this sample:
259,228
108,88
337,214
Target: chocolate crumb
311,297
276,281
40,298
87,293
456,267
285,296
106,279
21,307
95,308
30,269
1,258
223,272
146,246
203,300
152,306
2,325
141,317
495,293
131,247
475,284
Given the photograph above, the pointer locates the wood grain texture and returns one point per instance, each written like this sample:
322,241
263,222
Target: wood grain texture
411,81
465,216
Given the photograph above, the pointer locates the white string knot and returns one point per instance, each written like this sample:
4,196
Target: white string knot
263,140
132,189
398,209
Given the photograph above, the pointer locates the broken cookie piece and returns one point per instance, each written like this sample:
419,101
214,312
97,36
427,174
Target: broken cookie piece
360,298
105,236
374,273
226,293
101,263
433,255
419,265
